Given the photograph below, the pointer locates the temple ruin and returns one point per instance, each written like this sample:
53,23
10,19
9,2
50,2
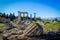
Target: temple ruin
25,15
22,14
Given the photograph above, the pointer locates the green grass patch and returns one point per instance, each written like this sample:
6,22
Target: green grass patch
52,25
12,23
2,24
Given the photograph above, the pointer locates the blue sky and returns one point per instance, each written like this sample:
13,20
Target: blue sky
42,8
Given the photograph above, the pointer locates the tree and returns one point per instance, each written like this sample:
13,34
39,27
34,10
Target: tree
0,14
39,18
10,16
7,16
56,19
13,16
3,15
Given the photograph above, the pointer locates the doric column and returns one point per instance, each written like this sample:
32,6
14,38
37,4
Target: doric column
31,16
27,15
19,15
34,16
23,14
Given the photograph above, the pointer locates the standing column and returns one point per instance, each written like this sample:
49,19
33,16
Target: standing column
19,15
27,15
23,16
31,17
34,16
